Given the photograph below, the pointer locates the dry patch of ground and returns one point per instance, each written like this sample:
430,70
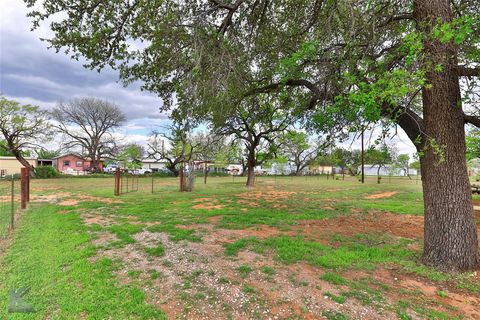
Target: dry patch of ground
207,204
468,304
102,220
268,196
104,238
381,195
251,198
405,226
197,281
68,199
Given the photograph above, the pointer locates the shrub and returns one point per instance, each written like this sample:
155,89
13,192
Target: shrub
162,174
45,172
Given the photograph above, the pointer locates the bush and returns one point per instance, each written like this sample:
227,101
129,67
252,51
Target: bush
162,174
201,173
45,172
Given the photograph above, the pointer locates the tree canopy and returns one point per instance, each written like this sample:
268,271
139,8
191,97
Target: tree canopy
87,126
23,127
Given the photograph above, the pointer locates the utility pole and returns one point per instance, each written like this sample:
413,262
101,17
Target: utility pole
363,159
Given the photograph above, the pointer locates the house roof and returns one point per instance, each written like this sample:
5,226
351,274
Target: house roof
74,155
13,158
68,154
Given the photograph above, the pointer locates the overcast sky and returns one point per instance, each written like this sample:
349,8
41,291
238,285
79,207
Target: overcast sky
30,73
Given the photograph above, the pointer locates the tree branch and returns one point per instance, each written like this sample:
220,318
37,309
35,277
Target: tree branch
472,120
463,71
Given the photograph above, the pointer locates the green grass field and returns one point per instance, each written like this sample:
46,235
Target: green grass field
294,248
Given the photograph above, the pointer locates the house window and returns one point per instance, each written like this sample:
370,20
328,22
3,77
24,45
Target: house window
66,163
79,163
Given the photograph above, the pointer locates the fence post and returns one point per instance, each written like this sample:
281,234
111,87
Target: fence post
12,203
152,182
23,187
117,182
28,185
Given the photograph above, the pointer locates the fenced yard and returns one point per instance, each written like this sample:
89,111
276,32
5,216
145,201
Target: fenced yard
292,247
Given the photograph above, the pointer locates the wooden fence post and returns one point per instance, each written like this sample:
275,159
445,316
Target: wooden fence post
23,187
117,182
28,185
12,204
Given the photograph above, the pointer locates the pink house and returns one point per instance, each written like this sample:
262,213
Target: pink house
71,163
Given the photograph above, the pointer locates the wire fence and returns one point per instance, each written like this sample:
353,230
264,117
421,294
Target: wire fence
128,183
9,203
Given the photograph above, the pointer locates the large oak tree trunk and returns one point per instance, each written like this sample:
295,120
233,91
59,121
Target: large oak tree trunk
251,174
298,170
251,163
451,242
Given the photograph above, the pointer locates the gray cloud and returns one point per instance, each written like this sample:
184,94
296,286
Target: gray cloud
30,73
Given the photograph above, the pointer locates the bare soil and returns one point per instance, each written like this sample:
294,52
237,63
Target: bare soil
406,226
381,195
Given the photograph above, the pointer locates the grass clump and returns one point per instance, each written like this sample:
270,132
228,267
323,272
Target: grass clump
244,270
331,315
249,289
269,271
124,233
341,299
232,249
157,251
333,278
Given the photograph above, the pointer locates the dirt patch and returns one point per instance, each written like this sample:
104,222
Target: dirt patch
102,220
208,206
405,226
381,195
69,202
67,199
197,281
64,211
203,200
103,238
268,196
50,198
464,302
252,198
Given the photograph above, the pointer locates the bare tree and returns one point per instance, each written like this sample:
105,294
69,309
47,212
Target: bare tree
87,124
22,127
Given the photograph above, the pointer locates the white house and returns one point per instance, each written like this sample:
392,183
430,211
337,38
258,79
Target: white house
387,170
153,165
